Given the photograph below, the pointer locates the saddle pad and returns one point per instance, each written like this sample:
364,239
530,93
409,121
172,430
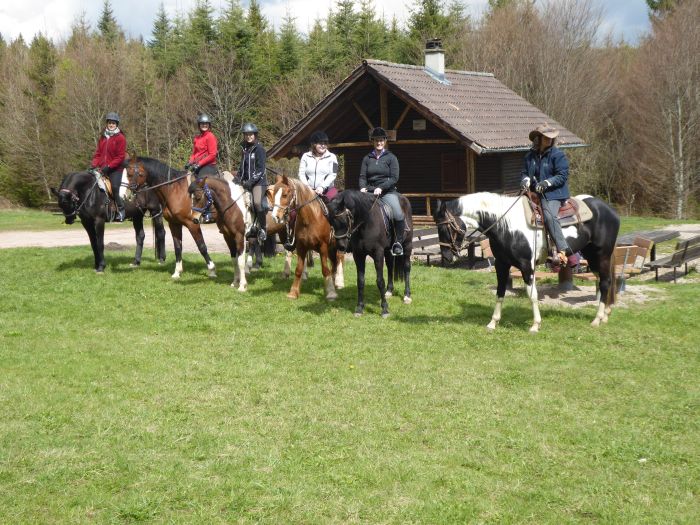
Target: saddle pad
584,212
387,216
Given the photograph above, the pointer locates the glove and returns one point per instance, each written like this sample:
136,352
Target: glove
247,185
542,186
237,180
377,191
104,168
525,183
363,190
188,166
195,167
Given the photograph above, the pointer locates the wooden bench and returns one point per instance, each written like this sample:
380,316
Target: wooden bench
426,243
685,251
626,261
487,254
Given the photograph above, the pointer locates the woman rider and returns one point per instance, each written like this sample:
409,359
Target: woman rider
379,175
318,167
251,174
109,158
204,149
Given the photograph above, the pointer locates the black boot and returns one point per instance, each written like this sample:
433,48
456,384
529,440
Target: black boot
399,231
121,212
262,226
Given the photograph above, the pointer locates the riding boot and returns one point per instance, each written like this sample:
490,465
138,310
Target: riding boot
262,226
399,232
121,212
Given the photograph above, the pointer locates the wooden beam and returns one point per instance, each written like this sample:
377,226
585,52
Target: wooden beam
383,106
397,143
362,114
471,170
403,116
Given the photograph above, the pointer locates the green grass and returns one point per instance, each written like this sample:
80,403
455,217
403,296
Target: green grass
630,223
129,397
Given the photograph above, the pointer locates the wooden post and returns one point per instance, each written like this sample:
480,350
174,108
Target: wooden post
471,171
402,117
383,106
362,114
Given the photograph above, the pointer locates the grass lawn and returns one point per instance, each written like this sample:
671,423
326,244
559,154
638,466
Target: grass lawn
129,397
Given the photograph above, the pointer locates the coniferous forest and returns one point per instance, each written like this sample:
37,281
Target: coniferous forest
638,106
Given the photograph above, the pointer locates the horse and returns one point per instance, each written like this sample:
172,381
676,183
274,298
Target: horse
310,231
516,242
170,186
232,217
358,222
79,195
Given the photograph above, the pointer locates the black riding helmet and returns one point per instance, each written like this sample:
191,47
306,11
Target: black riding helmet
112,115
378,133
203,118
318,137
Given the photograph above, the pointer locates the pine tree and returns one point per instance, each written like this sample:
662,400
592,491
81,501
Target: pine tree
162,45
344,21
235,33
107,25
288,52
201,28
369,34
256,19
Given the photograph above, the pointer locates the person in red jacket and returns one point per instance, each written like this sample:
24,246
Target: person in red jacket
109,158
205,147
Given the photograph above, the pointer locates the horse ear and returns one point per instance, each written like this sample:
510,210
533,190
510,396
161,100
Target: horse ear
278,178
285,180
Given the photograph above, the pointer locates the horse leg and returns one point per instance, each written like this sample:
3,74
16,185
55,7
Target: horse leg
287,264
379,267
360,265
160,239
90,229
390,261
100,243
531,290
331,294
296,285
237,248
140,237
176,232
407,277
502,274
339,271
606,287
198,237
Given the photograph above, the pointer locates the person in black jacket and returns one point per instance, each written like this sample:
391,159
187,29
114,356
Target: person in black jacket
379,175
251,174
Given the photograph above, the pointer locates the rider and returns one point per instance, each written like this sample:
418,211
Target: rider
251,173
318,167
202,162
109,158
379,174
546,170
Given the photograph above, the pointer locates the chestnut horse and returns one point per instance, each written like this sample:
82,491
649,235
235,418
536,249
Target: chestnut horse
310,231
231,214
170,185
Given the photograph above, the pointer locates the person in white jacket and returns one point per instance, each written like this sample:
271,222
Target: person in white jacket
318,167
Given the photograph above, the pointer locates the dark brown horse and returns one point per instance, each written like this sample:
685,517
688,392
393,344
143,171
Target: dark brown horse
310,231
170,185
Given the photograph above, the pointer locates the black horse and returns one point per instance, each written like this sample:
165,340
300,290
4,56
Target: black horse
515,242
80,196
358,222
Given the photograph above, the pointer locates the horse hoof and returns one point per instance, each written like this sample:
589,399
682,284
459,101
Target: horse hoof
211,275
175,276
358,314
134,265
491,326
389,293
332,297
292,296
99,271
242,289
385,315
534,330
407,300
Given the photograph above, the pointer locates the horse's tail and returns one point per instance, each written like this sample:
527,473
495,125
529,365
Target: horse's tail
309,259
612,293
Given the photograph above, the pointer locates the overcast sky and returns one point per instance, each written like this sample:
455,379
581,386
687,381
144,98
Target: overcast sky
627,19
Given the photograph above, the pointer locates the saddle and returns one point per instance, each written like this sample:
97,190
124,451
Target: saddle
103,182
573,211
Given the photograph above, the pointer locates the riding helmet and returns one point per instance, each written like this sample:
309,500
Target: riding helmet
203,118
249,127
378,133
112,116
318,137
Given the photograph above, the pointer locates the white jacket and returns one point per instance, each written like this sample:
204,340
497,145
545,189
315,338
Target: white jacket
318,173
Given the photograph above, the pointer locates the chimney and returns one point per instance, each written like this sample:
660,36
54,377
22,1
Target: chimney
435,59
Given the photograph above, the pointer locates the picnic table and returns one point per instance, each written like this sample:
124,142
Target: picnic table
656,236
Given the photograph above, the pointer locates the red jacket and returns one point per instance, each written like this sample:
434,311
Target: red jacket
110,152
205,149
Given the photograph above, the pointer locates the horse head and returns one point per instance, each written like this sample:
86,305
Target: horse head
201,198
136,173
68,197
283,197
341,220
451,229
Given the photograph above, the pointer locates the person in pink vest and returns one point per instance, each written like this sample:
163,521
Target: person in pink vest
109,159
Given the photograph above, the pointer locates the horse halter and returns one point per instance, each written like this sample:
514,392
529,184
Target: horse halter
135,171
455,231
75,199
349,230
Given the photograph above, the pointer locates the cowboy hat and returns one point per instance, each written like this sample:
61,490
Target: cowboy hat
546,130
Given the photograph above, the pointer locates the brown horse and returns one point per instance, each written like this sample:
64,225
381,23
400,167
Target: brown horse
310,231
232,218
170,185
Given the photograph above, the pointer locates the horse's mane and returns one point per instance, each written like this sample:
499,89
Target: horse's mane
76,178
160,171
359,203
484,201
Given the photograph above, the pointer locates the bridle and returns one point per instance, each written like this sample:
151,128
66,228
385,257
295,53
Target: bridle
456,232
347,215
138,188
75,199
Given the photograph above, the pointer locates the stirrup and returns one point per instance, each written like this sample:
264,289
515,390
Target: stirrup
396,249
262,235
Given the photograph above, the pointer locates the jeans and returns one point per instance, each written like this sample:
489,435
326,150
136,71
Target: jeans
392,200
550,210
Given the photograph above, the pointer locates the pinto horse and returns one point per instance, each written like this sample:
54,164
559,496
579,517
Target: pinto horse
79,196
515,242
310,231
231,212
358,222
170,185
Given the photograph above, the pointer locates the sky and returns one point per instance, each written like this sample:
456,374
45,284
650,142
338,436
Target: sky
625,19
